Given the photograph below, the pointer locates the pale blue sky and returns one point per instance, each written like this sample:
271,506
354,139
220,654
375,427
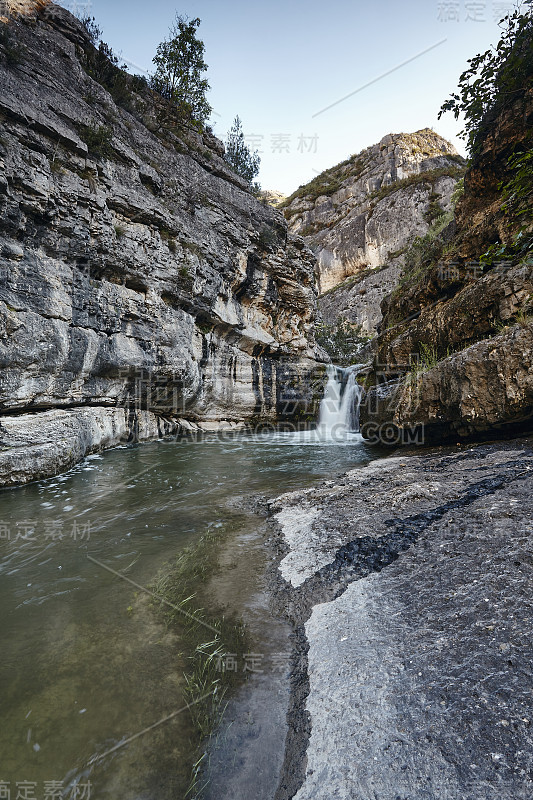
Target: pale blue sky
277,64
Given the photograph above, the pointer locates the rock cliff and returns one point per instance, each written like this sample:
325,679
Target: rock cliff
454,355
136,270
362,213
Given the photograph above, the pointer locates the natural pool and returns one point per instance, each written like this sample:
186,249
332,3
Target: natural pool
87,660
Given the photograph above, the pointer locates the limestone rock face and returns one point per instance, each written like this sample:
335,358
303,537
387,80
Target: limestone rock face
454,354
272,197
358,300
135,267
365,211
486,389
447,325
35,446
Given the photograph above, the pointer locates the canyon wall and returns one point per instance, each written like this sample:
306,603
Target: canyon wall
362,213
454,355
136,269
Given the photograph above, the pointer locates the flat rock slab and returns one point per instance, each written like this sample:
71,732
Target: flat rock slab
419,628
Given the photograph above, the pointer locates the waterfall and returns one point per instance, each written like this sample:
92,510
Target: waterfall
339,408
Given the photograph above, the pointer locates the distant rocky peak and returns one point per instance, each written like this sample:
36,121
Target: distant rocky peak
363,213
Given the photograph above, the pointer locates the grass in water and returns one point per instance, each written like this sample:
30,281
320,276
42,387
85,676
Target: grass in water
207,637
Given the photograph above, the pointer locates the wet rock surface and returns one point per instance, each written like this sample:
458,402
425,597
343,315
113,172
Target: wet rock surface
36,446
409,585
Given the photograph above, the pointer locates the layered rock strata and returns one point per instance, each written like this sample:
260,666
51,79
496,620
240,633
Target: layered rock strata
136,270
364,212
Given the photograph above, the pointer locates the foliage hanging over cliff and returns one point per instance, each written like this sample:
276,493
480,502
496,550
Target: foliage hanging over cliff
518,191
495,79
103,66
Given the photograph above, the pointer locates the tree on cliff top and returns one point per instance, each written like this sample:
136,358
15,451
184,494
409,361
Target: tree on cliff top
238,154
180,66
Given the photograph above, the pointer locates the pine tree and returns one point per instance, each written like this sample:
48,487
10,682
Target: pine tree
180,65
238,154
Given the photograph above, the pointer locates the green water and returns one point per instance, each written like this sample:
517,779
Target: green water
86,661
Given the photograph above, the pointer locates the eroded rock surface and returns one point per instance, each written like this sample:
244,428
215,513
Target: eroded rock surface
135,267
455,339
358,300
35,446
486,389
410,589
364,212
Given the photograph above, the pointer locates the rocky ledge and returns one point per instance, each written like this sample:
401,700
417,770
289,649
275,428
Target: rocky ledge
409,585
485,391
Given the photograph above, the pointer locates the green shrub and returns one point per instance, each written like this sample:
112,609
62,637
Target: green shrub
517,192
458,192
102,65
55,166
519,250
342,340
98,139
435,210
267,238
193,248
422,254
396,253
495,79
430,176
92,29
168,239
327,183
322,186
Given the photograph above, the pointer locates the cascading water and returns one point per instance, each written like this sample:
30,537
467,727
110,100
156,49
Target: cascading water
339,408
